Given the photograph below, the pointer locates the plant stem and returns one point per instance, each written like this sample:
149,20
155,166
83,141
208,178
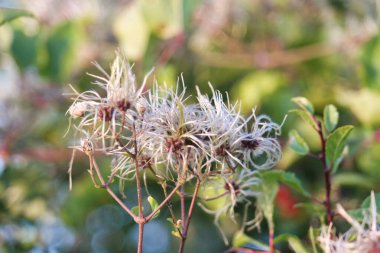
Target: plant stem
107,187
140,241
271,238
182,199
139,197
327,174
168,197
189,215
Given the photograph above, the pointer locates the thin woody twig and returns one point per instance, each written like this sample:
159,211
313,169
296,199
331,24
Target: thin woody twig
109,190
189,215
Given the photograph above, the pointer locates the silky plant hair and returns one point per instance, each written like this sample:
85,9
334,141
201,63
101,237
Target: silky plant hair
161,132
363,236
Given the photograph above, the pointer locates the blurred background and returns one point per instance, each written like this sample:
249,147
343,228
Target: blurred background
262,52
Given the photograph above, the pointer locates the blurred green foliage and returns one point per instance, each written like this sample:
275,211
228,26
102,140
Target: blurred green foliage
262,52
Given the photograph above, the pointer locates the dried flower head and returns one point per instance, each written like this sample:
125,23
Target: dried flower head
229,190
159,131
361,237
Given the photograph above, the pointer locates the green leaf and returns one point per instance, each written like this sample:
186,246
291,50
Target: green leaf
291,180
24,49
304,103
135,210
61,47
287,178
7,15
306,116
297,143
171,222
338,162
335,144
360,213
330,117
163,17
241,239
153,205
367,202
354,179
176,228
176,233
131,30
282,238
313,239
311,207
296,244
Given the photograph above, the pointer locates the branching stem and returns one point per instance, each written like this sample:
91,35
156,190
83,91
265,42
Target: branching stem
186,222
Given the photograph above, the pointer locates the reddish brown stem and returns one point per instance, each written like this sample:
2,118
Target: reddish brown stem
139,196
186,222
271,239
109,190
327,174
182,200
140,240
162,204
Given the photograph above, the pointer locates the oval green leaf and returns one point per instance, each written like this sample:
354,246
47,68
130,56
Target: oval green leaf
296,244
135,210
330,118
153,205
240,239
297,143
306,116
304,104
335,144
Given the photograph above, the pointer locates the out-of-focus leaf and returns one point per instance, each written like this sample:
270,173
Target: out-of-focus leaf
132,31
282,238
61,48
297,143
241,239
188,10
370,66
153,205
364,104
369,161
291,180
354,179
256,86
288,178
163,17
175,233
314,208
330,117
296,244
364,210
367,202
313,239
176,228
307,117
7,15
268,188
24,49
304,104
135,210
335,143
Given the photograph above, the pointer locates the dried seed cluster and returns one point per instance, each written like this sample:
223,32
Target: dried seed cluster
174,139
